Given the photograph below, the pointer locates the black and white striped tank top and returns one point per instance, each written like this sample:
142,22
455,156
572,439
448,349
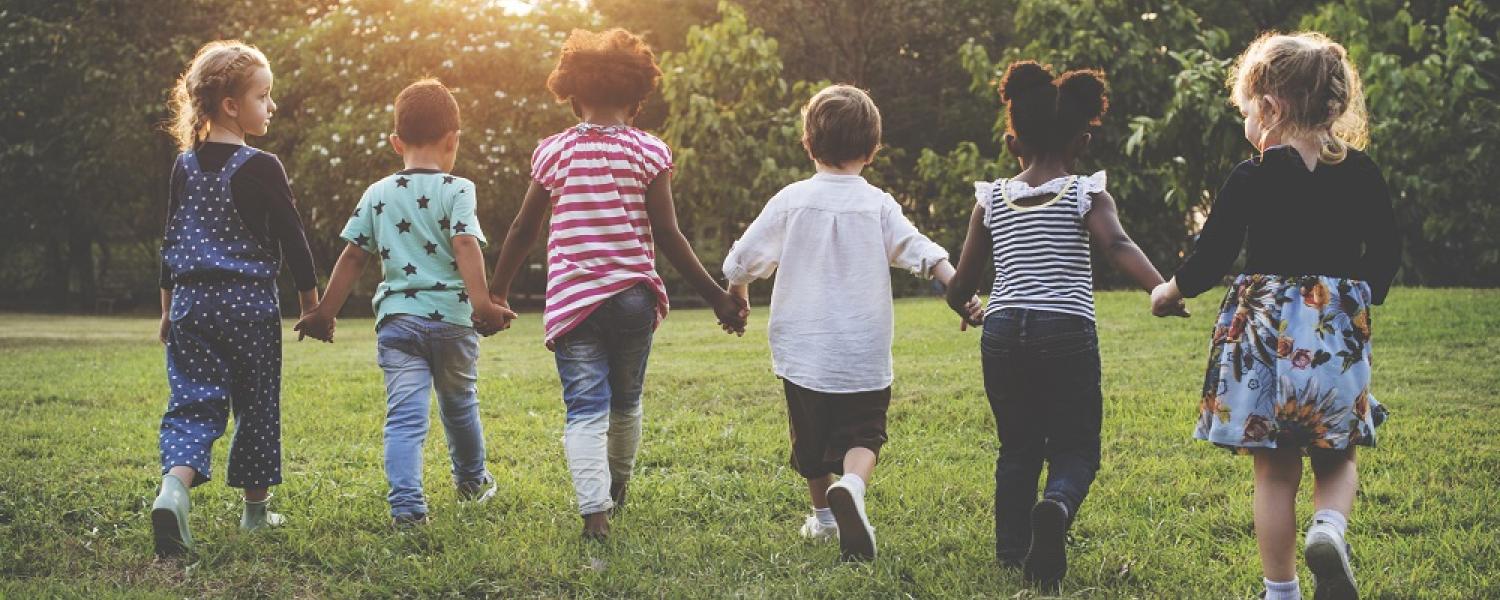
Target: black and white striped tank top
1041,252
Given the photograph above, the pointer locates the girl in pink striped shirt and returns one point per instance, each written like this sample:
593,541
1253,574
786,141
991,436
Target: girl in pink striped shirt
609,187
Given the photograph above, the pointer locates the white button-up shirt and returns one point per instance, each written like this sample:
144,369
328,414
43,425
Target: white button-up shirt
831,241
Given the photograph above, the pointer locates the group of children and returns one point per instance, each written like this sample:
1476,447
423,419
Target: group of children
1288,370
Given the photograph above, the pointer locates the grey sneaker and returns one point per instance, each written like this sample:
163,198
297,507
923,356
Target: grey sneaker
1328,559
856,536
169,519
478,491
256,516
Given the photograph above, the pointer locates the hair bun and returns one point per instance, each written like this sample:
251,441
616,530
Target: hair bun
1022,77
1081,93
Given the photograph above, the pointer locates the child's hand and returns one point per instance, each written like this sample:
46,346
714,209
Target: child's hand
972,314
733,311
314,324
1166,301
491,317
166,329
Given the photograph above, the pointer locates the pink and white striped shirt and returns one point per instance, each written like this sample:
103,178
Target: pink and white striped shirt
599,241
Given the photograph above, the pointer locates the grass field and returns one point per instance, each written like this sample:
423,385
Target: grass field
714,508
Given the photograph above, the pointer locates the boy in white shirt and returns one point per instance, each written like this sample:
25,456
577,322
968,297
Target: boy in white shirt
831,241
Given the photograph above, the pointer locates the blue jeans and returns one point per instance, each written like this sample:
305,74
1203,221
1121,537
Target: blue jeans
602,364
418,355
1041,374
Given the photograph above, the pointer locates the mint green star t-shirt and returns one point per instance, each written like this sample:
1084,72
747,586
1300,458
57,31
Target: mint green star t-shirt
408,221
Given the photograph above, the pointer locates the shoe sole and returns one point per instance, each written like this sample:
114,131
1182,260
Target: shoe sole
855,542
167,533
1334,579
1047,560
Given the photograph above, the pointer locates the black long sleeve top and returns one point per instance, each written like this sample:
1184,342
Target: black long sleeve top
1335,220
263,199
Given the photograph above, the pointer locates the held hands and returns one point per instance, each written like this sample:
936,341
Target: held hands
492,314
1166,301
733,310
972,314
314,324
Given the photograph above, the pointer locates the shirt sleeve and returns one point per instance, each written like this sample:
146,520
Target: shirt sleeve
285,226
1382,252
656,158
905,247
464,215
1221,239
758,252
177,177
544,162
360,230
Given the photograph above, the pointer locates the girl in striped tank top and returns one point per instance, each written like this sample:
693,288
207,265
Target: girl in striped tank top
609,189
1039,349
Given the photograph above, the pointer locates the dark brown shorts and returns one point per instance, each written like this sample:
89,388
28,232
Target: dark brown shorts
824,426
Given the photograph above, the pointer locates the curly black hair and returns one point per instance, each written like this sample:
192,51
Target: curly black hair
1045,112
613,68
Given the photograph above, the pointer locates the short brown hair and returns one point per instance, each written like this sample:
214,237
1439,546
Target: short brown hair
425,112
608,68
840,124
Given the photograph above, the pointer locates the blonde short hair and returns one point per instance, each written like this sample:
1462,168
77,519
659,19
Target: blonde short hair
1317,85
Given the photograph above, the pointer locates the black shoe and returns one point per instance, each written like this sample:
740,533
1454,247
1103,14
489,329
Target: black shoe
1047,560
408,520
617,491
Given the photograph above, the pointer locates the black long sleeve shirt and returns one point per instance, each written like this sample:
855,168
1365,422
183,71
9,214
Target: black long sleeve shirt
1335,221
263,199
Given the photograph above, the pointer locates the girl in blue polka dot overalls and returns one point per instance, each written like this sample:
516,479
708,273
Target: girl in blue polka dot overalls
220,320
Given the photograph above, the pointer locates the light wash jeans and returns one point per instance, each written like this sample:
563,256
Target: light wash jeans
418,355
602,364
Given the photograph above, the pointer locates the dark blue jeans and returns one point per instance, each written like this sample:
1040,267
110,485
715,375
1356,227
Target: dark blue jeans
1041,374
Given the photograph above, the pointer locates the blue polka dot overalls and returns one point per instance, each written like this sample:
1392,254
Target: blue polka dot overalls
224,346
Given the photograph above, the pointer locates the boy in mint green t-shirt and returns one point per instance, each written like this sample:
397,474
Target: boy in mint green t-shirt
420,224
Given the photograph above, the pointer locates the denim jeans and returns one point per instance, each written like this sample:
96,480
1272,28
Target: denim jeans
1041,374
419,355
602,364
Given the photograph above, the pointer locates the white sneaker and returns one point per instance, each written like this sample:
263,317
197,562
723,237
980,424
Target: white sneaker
856,536
815,530
1328,558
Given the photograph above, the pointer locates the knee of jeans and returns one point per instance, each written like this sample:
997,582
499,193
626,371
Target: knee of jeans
587,423
586,396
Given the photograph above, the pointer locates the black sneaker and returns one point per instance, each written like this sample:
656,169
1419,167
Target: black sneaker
409,520
1047,559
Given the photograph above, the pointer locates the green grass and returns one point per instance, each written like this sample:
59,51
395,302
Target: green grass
714,507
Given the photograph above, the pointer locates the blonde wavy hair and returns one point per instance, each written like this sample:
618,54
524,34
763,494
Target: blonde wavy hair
221,69
1316,84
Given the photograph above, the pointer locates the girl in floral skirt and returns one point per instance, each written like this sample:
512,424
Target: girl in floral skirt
1289,365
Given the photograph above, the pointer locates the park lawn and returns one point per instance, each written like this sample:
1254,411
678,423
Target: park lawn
714,508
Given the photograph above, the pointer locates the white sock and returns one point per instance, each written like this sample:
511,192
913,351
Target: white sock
824,515
1283,590
1332,517
855,483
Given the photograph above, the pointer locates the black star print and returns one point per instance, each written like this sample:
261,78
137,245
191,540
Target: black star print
447,179
410,293
385,254
459,227
463,296
410,270
401,181
361,239
440,286
404,226
430,247
356,212
436,316
380,208
422,202
443,222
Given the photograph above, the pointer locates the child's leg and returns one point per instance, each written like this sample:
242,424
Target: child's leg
1327,554
1022,447
860,462
1278,471
198,411
402,355
583,366
628,355
255,453
817,490
1074,405
1335,481
455,377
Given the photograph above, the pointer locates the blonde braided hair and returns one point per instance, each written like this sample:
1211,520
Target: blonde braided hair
220,69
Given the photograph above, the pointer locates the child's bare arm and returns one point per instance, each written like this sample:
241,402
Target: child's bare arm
488,317
1103,222
523,233
319,324
675,246
166,309
970,262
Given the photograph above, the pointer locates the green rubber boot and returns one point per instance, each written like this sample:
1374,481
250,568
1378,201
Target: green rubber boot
169,519
256,516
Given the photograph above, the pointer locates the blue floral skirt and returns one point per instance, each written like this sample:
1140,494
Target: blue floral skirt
1289,366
